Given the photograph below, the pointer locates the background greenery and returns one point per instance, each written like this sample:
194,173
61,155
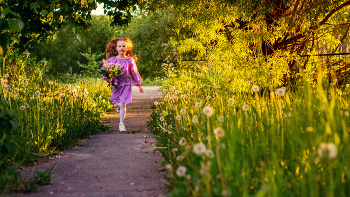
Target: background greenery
206,52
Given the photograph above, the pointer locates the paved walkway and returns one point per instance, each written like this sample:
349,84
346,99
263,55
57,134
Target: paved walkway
113,164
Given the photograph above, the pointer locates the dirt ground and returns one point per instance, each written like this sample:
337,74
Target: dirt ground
109,164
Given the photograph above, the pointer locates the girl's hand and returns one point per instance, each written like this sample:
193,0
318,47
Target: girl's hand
141,89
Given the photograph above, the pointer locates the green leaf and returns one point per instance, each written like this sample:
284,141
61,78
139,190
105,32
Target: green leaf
13,25
14,124
8,11
10,146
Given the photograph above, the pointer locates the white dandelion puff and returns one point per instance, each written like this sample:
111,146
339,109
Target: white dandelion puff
255,88
7,75
183,111
182,141
75,95
37,93
180,158
208,97
231,101
327,150
22,107
281,91
198,104
245,107
161,118
208,111
155,103
181,171
199,148
221,119
219,132
178,117
176,91
195,119
209,153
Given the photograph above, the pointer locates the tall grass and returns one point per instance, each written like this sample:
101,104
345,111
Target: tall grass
40,116
218,142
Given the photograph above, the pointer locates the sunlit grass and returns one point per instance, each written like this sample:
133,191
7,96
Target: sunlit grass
46,116
271,142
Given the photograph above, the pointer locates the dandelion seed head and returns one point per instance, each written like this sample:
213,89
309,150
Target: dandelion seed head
168,167
231,101
181,171
199,148
75,95
328,150
221,119
183,96
183,111
178,117
209,153
37,93
208,111
161,118
245,107
155,103
25,85
182,141
281,91
7,75
195,119
15,90
208,97
198,104
177,92
164,90
255,88
22,107
175,150
219,132
347,85
180,158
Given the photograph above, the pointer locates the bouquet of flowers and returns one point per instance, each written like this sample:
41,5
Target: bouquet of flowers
110,70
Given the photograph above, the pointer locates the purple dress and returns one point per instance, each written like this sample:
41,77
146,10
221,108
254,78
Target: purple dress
122,92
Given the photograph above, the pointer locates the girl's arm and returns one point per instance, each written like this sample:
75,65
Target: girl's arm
135,75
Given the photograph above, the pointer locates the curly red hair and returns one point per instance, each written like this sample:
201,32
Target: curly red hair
111,48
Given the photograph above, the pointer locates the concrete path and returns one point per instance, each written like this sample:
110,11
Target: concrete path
110,164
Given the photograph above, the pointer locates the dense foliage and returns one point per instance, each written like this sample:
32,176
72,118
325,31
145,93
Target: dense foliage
262,42
151,35
73,46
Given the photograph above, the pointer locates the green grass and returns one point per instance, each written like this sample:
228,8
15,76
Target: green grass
279,146
41,116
